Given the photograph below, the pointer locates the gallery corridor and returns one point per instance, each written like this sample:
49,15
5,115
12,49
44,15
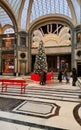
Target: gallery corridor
55,106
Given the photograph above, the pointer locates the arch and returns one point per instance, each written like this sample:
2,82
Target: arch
7,26
20,14
28,14
74,20
69,4
72,11
49,19
45,20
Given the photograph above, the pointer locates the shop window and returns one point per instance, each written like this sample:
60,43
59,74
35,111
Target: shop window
8,41
8,62
23,41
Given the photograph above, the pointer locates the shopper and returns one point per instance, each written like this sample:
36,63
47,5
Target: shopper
42,77
66,75
44,80
60,76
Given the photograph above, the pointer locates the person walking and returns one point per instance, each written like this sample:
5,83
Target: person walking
66,75
43,77
60,76
74,76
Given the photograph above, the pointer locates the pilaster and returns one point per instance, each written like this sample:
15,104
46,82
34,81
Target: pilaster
0,55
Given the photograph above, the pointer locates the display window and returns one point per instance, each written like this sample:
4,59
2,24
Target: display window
8,42
8,63
8,66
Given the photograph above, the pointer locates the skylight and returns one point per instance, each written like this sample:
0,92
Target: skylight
15,4
43,7
4,18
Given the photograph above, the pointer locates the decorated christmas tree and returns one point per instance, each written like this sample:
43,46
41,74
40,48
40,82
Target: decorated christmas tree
40,61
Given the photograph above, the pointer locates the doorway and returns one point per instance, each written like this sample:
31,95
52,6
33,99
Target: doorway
22,68
52,61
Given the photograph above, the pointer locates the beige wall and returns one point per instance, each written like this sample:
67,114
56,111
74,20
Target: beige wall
56,50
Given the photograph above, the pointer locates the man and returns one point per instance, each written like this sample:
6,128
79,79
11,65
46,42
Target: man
74,76
42,77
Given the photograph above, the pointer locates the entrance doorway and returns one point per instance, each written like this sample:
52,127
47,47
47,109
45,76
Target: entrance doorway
79,68
56,62
22,68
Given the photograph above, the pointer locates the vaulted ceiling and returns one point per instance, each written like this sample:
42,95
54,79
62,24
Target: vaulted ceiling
23,12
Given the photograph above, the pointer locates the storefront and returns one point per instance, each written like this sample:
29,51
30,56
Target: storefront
56,62
7,54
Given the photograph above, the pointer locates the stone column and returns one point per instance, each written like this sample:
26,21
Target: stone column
73,48
15,54
23,49
29,52
0,55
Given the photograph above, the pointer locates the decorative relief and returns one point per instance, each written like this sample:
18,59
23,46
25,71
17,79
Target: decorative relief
79,53
52,39
78,39
22,55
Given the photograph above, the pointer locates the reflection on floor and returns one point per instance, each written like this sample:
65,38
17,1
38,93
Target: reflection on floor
54,106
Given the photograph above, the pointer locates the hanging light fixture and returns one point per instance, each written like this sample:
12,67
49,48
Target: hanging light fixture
1,29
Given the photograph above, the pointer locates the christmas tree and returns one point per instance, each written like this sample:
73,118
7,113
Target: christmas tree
41,61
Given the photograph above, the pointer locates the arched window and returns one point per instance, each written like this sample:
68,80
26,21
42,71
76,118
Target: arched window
9,31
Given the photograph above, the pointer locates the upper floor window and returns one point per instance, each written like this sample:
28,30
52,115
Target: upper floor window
9,30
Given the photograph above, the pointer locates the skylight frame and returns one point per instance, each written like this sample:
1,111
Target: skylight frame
49,7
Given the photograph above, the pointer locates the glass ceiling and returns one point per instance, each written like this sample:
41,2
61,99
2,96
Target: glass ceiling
4,18
39,8
43,7
15,4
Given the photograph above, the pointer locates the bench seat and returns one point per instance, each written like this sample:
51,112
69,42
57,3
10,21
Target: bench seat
36,77
6,82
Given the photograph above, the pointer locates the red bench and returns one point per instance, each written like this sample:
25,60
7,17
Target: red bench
36,77
16,82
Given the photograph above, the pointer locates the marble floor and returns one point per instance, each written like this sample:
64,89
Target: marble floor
54,106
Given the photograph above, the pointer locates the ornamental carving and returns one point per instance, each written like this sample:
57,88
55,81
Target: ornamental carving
56,38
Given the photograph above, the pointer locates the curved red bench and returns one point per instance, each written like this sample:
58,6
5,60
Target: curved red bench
36,77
